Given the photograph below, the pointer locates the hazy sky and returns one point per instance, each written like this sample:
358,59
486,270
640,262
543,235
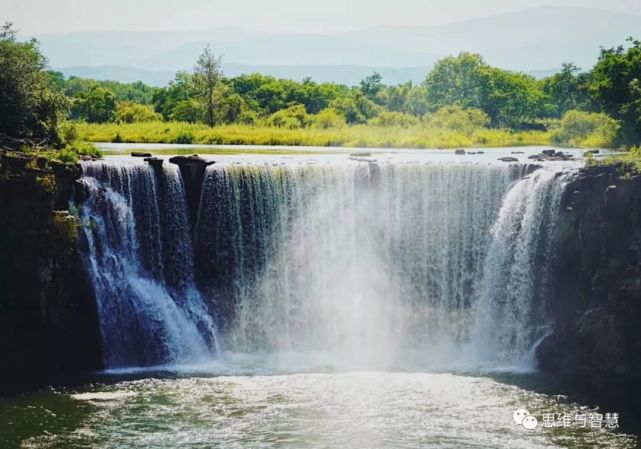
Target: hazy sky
49,16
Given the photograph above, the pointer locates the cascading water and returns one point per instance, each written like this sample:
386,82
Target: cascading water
139,257
365,261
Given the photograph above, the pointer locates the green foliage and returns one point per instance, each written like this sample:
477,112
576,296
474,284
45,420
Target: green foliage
355,107
207,75
137,92
372,85
30,105
585,129
418,136
568,90
328,118
293,117
128,112
394,119
463,101
458,119
98,105
616,87
510,99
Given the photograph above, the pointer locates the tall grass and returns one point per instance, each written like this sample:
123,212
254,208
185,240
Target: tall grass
417,136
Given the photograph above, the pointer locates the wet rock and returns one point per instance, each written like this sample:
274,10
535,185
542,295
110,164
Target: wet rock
460,151
595,345
192,169
517,152
508,159
155,162
140,154
192,160
548,152
15,163
361,154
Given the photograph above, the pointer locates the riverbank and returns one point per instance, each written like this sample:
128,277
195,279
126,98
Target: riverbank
366,136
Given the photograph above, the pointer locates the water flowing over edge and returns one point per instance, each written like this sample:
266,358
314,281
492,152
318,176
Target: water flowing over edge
371,264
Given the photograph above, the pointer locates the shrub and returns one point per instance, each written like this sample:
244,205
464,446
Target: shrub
328,118
585,129
394,119
464,120
128,112
293,117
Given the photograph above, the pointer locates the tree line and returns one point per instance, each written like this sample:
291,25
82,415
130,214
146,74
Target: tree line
463,89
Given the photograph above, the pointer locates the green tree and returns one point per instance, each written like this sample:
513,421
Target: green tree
180,90
30,105
616,88
460,81
355,107
207,75
96,106
372,85
567,89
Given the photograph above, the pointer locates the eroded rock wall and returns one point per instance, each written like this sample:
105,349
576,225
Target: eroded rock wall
595,347
48,322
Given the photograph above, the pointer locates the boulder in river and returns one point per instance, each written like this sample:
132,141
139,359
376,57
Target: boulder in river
508,159
140,154
460,151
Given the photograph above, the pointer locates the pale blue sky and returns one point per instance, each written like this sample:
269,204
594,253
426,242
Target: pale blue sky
47,16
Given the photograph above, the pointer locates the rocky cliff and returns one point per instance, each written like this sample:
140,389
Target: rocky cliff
595,346
48,322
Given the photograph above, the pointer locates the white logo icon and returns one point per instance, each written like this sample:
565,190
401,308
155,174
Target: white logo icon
523,418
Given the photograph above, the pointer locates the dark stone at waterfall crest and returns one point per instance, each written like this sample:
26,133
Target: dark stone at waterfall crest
595,346
192,169
140,154
190,161
508,159
155,162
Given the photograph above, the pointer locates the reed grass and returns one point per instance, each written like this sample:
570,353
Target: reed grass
368,136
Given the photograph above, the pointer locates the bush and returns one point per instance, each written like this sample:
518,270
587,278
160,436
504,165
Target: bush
328,118
464,120
585,129
293,117
394,119
128,112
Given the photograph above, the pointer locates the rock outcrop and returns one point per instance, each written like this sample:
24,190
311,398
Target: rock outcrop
192,169
48,321
595,346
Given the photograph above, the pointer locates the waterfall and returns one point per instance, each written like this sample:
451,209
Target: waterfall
139,257
365,261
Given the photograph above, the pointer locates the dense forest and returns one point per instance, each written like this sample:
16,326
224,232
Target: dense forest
462,98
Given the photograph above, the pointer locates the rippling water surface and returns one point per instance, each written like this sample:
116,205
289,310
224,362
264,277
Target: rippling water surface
234,406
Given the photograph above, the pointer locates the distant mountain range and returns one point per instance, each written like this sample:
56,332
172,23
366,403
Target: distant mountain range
534,40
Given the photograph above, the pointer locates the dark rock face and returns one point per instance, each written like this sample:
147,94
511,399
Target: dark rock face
192,169
595,347
48,320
